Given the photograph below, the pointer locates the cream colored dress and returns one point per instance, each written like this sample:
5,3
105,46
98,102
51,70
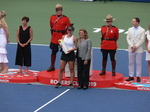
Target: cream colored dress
3,42
148,38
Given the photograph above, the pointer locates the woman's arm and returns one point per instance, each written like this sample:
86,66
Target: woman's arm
31,37
146,44
88,54
17,36
75,42
6,31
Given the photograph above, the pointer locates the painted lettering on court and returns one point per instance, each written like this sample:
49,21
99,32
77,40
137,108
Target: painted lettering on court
53,81
144,88
94,84
64,82
4,80
67,82
96,30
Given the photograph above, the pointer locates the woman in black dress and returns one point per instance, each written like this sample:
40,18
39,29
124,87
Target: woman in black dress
24,36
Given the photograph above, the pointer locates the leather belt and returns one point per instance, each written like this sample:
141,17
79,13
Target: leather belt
108,39
58,31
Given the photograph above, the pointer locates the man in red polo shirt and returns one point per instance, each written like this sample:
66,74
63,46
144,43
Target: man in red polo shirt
58,24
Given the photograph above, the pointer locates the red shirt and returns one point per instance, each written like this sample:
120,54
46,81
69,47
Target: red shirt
110,36
57,25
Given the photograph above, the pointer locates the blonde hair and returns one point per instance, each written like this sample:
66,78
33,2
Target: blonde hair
85,32
2,18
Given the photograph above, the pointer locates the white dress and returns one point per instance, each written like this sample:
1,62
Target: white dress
3,42
148,38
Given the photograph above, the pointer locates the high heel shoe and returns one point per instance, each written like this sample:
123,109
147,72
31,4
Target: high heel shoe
5,70
19,72
79,87
1,69
85,87
148,81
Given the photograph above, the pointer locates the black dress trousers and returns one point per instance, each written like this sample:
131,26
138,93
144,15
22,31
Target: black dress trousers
83,72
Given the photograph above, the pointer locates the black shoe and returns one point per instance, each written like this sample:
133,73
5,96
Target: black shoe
85,87
70,86
130,79
51,68
138,79
113,73
103,72
58,85
79,87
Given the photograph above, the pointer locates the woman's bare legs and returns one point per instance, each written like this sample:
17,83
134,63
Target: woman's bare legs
62,68
5,69
72,73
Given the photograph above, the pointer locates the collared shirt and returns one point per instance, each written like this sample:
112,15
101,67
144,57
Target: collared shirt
135,31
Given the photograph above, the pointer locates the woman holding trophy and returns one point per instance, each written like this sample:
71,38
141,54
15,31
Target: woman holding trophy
68,44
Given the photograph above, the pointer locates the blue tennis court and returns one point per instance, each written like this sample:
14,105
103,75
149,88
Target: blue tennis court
37,97
41,59
29,98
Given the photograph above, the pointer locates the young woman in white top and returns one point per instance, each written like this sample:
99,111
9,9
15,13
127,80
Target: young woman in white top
148,50
70,42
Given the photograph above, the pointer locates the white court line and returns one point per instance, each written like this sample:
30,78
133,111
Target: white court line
92,47
51,100
48,45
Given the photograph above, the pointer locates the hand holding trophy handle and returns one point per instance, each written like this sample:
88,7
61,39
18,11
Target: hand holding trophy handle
61,42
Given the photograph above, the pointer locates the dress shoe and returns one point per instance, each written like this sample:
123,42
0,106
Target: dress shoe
51,68
103,72
130,79
5,70
138,79
79,87
1,69
148,81
85,87
113,73
70,86
58,85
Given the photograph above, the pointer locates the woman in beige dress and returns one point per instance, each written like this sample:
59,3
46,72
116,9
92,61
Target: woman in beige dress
148,50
